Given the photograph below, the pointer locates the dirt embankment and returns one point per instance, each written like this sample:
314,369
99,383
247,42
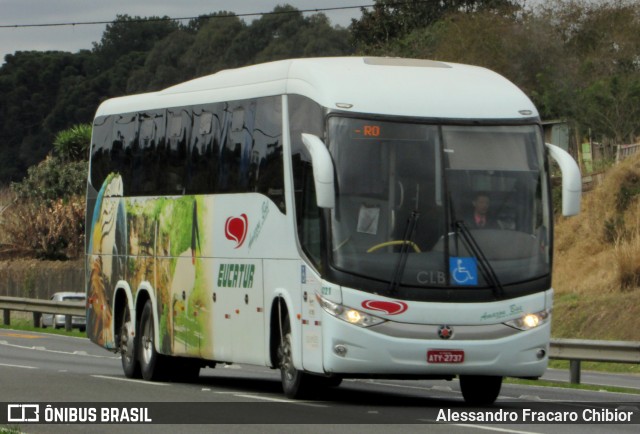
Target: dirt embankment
597,261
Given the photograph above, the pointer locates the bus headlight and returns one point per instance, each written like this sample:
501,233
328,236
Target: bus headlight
530,320
352,316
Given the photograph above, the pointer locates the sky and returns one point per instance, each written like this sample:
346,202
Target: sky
74,38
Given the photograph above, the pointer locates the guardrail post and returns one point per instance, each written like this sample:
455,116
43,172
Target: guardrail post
36,319
67,323
6,316
574,369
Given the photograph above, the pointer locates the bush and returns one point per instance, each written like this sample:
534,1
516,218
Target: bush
52,230
51,180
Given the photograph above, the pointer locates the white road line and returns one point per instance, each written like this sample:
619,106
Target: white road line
18,366
72,353
404,386
266,398
288,401
486,428
151,383
491,428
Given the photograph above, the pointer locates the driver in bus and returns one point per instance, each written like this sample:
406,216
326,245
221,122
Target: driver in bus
481,218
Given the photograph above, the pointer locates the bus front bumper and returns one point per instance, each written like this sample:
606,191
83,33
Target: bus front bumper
348,349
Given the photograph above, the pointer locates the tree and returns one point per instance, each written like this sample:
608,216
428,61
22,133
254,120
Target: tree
209,52
73,144
131,34
165,64
392,19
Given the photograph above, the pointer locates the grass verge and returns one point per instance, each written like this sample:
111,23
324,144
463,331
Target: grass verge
546,383
27,325
614,368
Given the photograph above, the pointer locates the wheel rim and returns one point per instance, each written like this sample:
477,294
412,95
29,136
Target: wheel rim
147,342
286,363
126,352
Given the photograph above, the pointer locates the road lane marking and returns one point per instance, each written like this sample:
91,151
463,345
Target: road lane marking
22,335
268,398
404,386
491,428
131,380
72,353
287,401
486,428
18,366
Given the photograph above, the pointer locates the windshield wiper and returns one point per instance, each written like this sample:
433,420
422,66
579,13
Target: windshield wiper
486,269
404,252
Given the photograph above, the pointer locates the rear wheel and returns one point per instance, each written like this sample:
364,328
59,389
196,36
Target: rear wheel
480,389
152,364
128,346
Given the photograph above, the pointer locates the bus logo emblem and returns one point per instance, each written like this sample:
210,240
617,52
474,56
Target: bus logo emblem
445,332
388,307
235,229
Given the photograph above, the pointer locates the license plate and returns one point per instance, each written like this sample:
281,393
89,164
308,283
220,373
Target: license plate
445,356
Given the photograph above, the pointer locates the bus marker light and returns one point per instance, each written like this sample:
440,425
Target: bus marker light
340,350
344,105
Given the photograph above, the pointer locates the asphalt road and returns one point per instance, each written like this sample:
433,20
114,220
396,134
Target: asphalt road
44,368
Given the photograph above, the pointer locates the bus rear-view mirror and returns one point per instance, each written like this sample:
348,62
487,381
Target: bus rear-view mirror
571,180
323,172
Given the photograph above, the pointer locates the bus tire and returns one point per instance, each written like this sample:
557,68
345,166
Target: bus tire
152,364
295,384
480,389
128,346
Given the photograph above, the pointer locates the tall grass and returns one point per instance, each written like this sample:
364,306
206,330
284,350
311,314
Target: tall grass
597,261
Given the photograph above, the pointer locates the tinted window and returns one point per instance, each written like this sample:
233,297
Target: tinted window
101,150
232,147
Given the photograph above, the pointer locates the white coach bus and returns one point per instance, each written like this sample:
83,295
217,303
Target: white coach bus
331,218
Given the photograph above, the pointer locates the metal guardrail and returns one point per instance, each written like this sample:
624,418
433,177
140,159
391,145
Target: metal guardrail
578,350
38,307
574,350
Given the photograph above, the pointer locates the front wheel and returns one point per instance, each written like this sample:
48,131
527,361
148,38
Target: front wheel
480,389
295,384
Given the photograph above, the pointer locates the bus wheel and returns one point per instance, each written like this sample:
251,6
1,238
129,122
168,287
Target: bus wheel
480,389
294,382
130,364
151,363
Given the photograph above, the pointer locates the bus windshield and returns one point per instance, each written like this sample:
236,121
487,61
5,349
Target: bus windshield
405,189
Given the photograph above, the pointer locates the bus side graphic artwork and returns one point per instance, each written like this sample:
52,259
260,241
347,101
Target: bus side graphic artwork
165,246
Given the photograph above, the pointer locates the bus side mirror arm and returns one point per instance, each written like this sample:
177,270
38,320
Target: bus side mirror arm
571,180
323,172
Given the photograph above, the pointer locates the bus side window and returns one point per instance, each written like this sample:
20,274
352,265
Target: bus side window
101,151
174,158
204,150
124,146
266,170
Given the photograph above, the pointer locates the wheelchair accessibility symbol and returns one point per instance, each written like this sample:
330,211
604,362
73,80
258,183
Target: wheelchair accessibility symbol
464,271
